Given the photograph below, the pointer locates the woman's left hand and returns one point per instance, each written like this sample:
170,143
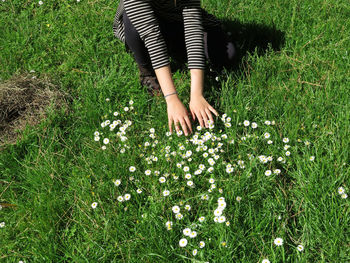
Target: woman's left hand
201,108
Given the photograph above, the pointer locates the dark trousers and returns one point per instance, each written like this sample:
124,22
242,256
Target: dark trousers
219,50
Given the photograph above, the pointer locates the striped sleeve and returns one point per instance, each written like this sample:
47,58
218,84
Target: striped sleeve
192,16
142,16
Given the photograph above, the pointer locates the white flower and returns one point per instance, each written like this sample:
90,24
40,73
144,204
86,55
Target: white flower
246,123
188,207
2,224
254,125
201,244
285,140
97,138
117,182
267,122
268,172
267,135
183,242
188,176
166,192
94,205
187,231
193,234
300,247
269,142
176,209
152,130
40,2
139,191
132,168
218,212
189,183
277,171
341,190
344,196
127,196
194,252
103,147
147,172
280,159
287,153
120,198
221,219
162,179
265,260
312,158
126,108
238,198
211,180
131,102
105,140
278,241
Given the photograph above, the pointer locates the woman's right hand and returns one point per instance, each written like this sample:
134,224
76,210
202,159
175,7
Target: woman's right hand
177,113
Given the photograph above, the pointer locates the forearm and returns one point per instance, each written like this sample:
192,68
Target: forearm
197,82
166,82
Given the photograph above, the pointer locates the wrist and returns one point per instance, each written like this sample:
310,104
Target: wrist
171,98
196,95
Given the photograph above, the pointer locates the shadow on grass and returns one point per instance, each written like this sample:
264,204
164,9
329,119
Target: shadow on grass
247,38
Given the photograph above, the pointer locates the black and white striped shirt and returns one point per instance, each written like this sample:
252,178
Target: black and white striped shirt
143,15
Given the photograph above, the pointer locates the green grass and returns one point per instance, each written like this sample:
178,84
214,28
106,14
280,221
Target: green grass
57,170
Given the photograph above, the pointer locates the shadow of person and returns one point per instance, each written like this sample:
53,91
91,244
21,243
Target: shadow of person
247,38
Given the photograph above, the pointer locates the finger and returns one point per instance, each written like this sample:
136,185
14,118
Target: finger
204,116
176,124
184,127
213,110
200,119
188,123
193,116
170,125
209,115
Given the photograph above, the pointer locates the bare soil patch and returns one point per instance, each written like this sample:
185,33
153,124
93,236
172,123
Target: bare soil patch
25,100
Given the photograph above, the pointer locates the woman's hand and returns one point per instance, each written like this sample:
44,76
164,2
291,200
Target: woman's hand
177,113
200,107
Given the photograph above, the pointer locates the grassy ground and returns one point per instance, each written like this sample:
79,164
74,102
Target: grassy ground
57,170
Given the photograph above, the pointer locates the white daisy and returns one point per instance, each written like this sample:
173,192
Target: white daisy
254,125
127,196
132,169
278,241
246,123
265,260
117,182
285,140
183,242
186,231
268,172
94,205
193,234
201,244
300,248
176,209
166,192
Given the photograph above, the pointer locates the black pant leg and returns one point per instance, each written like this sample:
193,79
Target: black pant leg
135,43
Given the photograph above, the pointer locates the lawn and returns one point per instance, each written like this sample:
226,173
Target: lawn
101,180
